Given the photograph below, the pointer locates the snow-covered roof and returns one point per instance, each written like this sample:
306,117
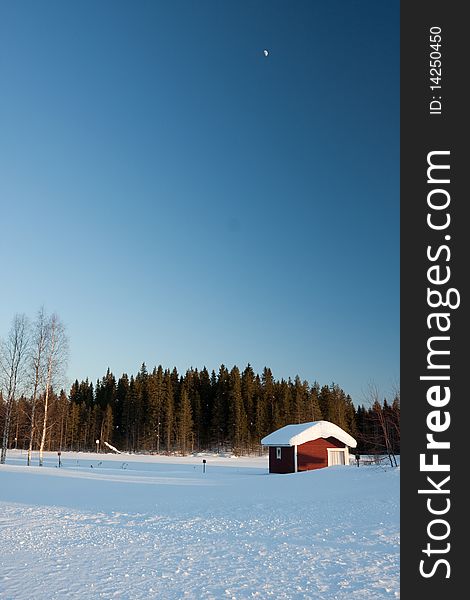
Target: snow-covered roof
294,435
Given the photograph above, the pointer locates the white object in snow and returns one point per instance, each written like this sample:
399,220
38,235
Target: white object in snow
112,447
266,52
294,435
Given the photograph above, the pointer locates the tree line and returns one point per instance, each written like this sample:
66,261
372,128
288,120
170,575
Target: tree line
163,411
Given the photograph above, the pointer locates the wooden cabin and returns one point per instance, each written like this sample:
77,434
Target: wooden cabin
308,446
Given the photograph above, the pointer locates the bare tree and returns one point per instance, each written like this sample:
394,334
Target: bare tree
382,418
56,352
386,424
38,349
395,412
12,371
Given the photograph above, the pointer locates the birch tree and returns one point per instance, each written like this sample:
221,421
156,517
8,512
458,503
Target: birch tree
12,371
56,352
39,340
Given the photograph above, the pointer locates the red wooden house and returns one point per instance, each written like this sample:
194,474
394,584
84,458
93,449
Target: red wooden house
308,446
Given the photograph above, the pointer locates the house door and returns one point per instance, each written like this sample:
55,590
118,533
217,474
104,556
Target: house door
336,456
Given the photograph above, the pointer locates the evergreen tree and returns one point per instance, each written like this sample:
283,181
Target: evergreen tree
105,390
175,383
96,425
238,421
73,429
142,437
62,419
121,415
168,409
106,434
285,403
220,417
300,394
74,395
206,398
130,416
261,411
338,407
184,422
325,402
351,425
269,398
83,441
248,390
154,408
315,410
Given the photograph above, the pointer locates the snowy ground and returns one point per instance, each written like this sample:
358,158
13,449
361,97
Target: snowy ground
132,527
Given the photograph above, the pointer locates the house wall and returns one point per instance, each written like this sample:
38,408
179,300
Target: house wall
314,454
283,465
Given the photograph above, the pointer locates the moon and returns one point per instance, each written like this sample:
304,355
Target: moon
266,52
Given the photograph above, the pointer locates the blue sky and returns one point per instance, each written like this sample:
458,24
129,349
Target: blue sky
181,199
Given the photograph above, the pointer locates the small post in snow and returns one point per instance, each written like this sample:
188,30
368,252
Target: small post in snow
58,454
203,465
358,458
97,446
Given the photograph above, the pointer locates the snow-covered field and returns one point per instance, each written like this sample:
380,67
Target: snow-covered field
131,527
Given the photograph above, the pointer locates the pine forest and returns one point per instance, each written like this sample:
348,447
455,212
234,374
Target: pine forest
162,411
